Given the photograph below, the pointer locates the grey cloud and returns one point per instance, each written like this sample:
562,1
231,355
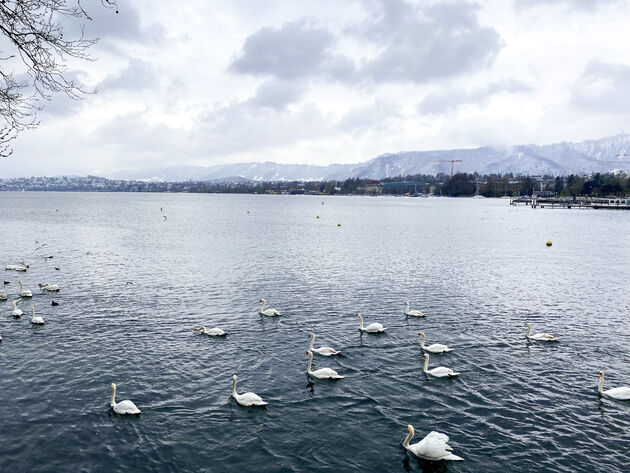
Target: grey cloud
376,115
570,4
115,28
603,87
137,75
429,41
277,94
294,50
445,101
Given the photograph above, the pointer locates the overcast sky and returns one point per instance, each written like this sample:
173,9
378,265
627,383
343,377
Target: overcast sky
204,82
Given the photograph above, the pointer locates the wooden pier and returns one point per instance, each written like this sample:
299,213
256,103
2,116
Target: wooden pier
617,203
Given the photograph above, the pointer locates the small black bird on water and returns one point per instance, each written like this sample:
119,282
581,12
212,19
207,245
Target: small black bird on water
7,282
53,303
56,268
127,283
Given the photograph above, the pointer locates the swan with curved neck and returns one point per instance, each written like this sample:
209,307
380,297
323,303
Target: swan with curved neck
440,371
49,287
246,399
268,312
543,337
433,447
36,320
122,407
16,312
434,348
322,373
213,332
25,293
325,351
372,328
412,313
621,393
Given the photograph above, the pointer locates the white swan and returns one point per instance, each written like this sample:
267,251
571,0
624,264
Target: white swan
543,337
213,332
267,312
434,348
413,313
15,267
372,328
49,287
433,447
25,293
36,320
621,393
3,297
16,312
246,399
322,373
325,351
440,371
122,407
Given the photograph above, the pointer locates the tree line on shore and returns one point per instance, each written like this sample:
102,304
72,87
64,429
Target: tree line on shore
461,184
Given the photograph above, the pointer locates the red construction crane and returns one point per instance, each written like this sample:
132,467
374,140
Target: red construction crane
452,161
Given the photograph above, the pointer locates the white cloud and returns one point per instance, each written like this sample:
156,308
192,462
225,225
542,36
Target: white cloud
322,82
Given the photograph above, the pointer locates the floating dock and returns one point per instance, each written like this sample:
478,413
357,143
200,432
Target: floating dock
617,203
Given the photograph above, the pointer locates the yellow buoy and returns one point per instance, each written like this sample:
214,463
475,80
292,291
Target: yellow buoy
548,243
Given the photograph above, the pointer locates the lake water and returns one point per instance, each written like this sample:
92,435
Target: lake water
479,269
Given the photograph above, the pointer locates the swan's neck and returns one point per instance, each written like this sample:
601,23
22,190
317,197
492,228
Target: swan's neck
234,388
423,339
14,305
408,438
426,363
407,305
112,401
601,384
20,286
312,343
529,329
360,320
262,305
310,362
32,312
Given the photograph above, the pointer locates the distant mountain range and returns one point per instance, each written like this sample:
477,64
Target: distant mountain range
554,159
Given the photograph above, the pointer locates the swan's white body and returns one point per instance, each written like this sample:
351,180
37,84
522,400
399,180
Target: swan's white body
413,313
543,337
15,267
16,312
267,312
621,393
325,351
49,287
434,348
322,373
433,447
246,399
440,371
25,293
372,328
36,320
213,332
122,407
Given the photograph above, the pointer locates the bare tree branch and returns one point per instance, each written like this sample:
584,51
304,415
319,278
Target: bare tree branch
34,31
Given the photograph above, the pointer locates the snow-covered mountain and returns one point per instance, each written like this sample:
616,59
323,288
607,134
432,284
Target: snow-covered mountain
555,159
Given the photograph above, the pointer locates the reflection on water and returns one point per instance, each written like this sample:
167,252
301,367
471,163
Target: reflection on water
479,269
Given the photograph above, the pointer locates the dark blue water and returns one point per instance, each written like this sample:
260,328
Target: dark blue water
479,269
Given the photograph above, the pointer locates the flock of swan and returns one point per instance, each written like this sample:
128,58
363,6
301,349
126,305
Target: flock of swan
434,446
